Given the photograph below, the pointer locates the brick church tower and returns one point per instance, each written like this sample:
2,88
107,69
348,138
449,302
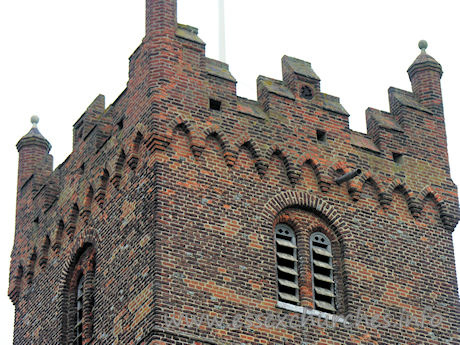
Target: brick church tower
263,222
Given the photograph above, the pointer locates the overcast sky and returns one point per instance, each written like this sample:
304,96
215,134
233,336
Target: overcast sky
57,56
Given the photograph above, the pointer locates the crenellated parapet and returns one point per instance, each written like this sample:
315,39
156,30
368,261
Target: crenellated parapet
178,92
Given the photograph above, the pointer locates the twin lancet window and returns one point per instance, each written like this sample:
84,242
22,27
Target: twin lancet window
323,286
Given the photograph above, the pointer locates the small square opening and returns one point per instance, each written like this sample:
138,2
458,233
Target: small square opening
321,135
214,104
398,158
82,168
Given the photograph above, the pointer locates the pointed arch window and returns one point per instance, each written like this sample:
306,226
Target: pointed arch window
79,312
322,273
78,294
287,268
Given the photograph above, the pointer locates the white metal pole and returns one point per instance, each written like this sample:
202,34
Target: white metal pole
222,56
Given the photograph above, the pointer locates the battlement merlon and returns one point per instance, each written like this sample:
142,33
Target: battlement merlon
95,118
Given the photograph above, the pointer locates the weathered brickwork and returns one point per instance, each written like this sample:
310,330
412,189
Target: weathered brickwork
169,201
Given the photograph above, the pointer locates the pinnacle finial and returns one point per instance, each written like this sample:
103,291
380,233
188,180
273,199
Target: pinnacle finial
34,120
423,45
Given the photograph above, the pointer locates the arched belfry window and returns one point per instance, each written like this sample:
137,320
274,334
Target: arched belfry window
78,298
322,273
79,312
287,268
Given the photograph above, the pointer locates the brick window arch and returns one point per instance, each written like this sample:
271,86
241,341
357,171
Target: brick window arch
78,299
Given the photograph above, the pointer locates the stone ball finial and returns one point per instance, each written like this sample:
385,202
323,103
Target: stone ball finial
423,45
34,120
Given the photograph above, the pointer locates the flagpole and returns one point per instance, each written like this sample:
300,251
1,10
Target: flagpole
222,56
